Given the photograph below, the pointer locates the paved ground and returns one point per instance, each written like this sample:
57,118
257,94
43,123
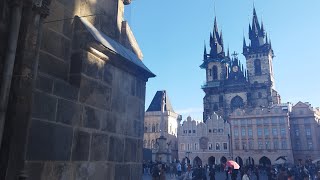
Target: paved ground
219,176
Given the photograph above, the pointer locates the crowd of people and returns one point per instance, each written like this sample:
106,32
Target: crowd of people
184,171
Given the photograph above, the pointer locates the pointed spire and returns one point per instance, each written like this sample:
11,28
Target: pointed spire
221,41
205,52
267,38
244,42
228,54
215,28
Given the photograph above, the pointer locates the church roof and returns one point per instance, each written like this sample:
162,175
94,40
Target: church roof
156,102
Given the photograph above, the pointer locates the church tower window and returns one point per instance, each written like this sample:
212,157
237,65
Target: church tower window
236,102
221,101
257,67
214,72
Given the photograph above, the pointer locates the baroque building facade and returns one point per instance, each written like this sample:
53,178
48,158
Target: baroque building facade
152,125
204,143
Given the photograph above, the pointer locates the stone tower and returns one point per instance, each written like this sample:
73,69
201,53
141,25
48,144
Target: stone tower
259,56
228,85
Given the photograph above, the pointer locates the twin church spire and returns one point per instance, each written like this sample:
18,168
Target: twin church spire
259,41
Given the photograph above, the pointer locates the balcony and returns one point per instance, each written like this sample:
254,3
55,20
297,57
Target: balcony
210,84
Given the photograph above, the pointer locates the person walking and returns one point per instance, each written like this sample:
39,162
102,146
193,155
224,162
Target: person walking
179,170
245,175
162,172
212,174
155,172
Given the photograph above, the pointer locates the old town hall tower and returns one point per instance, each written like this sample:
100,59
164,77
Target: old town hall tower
228,85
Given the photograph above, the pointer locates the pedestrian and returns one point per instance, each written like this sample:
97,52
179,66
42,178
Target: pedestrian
283,174
318,176
245,175
155,172
162,172
212,174
179,169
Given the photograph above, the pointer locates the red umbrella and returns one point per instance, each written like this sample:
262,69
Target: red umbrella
233,164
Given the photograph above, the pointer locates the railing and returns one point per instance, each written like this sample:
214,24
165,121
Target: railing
211,84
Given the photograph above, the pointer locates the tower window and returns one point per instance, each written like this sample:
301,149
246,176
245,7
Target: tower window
210,72
214,72
236,102
215,107
220,100
257,67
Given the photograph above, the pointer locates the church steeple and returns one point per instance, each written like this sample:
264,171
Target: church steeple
205,52
216,42
257,37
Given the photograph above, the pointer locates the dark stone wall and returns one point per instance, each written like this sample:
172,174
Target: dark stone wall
87,113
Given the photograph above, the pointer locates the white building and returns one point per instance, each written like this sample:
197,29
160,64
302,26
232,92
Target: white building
204,143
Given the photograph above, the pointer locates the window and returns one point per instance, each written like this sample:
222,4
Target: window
157,128
210,131
236,102
249,121
189,131
297,145
210,146
257,67
274,121
221,101
214,72
259,121
225,146
308,131
268,145
274,131
214,130
282,120
146,129
185,131
243,132
259,131
276,144
306,121
237,147
250,144
182,147
244,145
243,122
194,131
283,131
310,146
284,144
250,132
236,132
220,130
266,131
195,146
296,132
266,121
215,107
153,128
209,72
260,145
218,146
188,147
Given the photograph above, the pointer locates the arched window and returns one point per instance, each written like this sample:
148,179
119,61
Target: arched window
157,127
215,107
221,101
146,129
153,128
214,72
236,102
257,67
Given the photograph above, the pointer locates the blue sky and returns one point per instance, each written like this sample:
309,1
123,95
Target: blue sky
171,35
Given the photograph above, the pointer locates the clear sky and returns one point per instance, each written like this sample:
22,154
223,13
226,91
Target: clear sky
171,34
